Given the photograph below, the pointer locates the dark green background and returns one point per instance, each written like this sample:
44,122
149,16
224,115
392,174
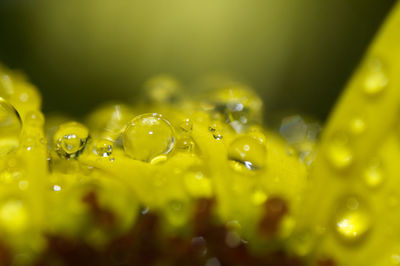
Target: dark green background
297,54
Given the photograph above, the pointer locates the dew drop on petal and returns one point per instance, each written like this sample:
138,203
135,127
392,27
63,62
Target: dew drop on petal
103,147
352,218
339,153
70,139
148,136
373,173
10,128
186,126
246,154
357,126
376,79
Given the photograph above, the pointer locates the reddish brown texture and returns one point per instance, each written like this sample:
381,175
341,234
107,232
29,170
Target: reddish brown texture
275,209
146,245
326,262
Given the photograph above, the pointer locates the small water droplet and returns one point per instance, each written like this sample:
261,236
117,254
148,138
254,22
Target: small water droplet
357,126
247,154
237,103
215,132
148,136
373,173
103,147
186,126
376,79
70,139
10,128
186,144
339,153
352,219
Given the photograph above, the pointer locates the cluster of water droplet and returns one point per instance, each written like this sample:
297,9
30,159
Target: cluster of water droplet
167,154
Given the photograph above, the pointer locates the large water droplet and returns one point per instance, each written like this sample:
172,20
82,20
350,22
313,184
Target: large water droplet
376,79
70,139
352,218
148,136
246,154
339,153
10,128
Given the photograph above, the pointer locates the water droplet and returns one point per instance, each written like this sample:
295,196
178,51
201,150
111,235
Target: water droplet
103,147
148,136
70,139
375,80
357,126
186,144
246,154
339,153
352,219
163,89
10,128
186,126
215,132
373,174
237,103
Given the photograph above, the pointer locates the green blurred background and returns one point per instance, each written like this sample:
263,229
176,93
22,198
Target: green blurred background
297,54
